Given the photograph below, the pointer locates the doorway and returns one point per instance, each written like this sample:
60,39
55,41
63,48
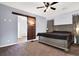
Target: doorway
22,28
31,34
27,24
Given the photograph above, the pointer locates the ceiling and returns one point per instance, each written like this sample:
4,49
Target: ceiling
61,7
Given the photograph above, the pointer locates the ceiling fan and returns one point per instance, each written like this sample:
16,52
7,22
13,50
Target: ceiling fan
47,4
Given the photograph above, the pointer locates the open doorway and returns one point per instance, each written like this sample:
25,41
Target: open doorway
22,28
26,28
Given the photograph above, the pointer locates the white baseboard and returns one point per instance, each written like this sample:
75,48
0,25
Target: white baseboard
7,45
17,43
12,44
32,40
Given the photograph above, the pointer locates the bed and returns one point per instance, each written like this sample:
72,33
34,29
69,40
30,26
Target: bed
59,39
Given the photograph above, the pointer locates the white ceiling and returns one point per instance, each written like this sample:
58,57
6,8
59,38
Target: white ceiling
61,7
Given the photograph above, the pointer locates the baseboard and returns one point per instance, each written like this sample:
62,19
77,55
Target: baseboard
11,44
17,43
32,40
7,45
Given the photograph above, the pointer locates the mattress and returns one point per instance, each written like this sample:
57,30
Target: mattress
56,35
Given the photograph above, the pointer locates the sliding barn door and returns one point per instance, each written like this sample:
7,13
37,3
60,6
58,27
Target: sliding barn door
31,28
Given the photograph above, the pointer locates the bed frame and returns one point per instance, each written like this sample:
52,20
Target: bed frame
59,43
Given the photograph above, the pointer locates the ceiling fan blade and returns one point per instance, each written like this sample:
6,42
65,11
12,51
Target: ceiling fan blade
46,4
45,10
53,3
53,8
40,7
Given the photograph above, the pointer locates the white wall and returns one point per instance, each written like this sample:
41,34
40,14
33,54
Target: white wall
65,18
8,26
22,26
41,25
